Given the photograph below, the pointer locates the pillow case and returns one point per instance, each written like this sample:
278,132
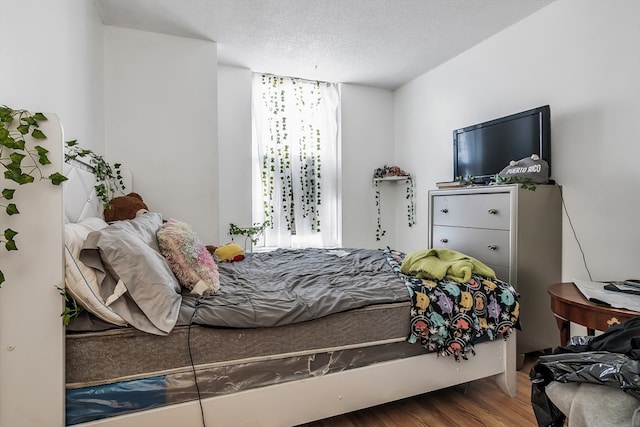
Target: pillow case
125,255
188,258
80,280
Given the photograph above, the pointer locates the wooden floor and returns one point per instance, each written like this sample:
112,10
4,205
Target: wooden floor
480,403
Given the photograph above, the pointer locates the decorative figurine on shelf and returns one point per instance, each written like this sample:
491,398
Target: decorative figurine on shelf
387,171
380,174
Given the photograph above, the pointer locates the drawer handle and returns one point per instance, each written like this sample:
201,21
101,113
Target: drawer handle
492,211
444,210
444,240
492,247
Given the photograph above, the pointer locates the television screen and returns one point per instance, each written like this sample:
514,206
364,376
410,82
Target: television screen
483,150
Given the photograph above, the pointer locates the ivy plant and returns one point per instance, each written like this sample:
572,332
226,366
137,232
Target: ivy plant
526,183
250,233
71,307
379,175
109,180
278,170
23,160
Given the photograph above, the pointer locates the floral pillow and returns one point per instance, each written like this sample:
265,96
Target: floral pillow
188,258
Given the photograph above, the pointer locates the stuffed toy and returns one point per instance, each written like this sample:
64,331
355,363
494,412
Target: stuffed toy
229,253
531,169
125,207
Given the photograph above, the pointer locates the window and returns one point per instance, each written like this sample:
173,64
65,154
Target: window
295,161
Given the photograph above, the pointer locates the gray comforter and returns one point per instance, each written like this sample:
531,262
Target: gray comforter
294,285
265,289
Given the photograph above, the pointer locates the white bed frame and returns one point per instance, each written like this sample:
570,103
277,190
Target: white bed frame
277,405
307,400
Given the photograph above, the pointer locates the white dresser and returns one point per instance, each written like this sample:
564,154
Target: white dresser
516,232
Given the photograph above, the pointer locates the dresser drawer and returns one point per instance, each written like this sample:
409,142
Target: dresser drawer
488,246
502,273
472,210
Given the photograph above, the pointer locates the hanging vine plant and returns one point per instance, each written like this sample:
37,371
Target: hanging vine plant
23,161
411,204
109,180
277,164
390,173
309,154
250,233
380,232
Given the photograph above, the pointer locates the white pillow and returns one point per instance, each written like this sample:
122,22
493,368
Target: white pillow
80,280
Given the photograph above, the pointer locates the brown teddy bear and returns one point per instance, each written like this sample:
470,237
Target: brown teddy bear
125,207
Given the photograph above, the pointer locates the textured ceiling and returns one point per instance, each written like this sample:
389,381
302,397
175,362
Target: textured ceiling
380,43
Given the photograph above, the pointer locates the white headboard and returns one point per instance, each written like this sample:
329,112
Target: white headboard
80,198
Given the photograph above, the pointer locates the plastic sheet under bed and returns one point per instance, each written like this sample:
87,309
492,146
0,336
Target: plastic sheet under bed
97,402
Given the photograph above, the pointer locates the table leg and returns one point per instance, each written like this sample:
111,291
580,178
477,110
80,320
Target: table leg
565,330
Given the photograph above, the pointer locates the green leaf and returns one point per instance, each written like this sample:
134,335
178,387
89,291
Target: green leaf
7,193
12,174
44,160
29,120
9,234
1,277
16,158
23,129
57,178
12,209
18,144
40,150
38,134
40,117
42,153
10,244
18,176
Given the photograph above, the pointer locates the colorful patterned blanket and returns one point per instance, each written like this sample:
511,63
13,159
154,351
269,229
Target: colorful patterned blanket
448,317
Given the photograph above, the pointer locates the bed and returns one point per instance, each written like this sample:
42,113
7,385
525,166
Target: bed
366,348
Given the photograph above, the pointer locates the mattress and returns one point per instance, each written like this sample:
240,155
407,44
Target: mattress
96,358
123,370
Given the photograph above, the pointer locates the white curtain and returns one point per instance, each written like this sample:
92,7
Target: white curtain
295,140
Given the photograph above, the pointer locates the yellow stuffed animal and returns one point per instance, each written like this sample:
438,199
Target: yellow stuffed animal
228,253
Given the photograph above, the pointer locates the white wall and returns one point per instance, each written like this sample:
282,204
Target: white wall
162,122
50,61
234,149
582,58
367,144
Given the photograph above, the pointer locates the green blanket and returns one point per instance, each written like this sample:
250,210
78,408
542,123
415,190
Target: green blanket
440,263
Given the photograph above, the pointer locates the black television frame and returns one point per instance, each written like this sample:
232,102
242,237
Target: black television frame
543,146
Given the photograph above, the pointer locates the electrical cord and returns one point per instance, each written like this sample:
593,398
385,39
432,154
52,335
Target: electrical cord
193,366
584,259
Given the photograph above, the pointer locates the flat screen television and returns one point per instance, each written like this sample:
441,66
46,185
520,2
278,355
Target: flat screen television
483,150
